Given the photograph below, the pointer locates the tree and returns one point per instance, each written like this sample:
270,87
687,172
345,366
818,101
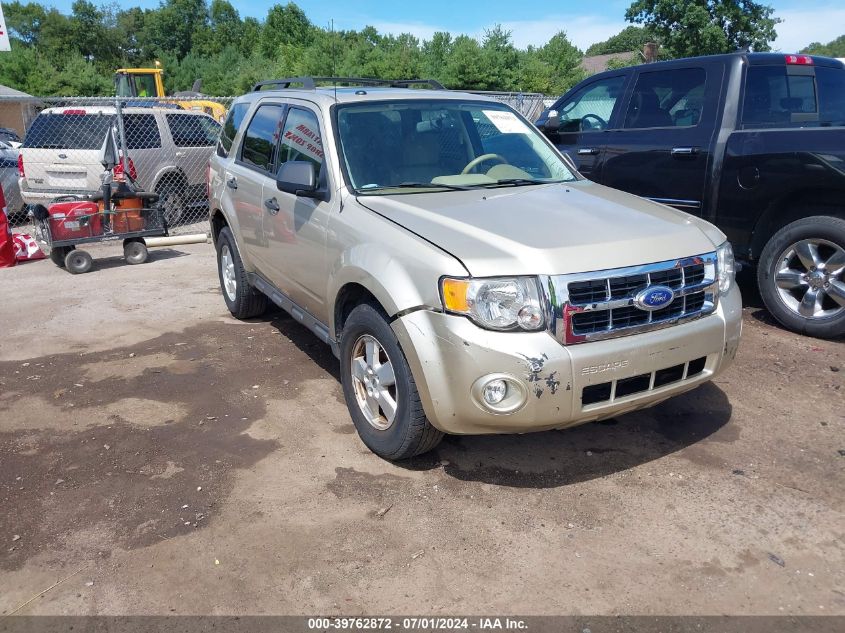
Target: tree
631,38
435,52
464,66
285,25
500,60
705,27
172,27
24,21
835,48
565,61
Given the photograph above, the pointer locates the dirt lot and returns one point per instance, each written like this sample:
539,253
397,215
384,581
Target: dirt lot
159,457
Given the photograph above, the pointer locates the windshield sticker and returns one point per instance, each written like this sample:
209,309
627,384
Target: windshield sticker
506,122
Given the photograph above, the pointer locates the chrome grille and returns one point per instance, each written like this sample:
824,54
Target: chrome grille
601,304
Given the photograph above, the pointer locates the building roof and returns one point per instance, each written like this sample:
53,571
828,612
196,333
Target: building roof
598,63
11,93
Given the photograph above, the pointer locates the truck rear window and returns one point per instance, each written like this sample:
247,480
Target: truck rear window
68,131
775,99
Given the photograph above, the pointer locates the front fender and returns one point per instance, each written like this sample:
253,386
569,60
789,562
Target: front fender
399,279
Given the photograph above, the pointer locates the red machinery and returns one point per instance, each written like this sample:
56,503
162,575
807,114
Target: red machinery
75,219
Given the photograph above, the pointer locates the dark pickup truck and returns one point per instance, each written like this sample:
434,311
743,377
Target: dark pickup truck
752,142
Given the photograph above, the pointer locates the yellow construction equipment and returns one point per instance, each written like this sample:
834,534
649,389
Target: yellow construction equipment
148,82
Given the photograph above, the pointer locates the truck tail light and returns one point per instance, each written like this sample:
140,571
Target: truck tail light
799,60
118,171
75,112
21,170
208,180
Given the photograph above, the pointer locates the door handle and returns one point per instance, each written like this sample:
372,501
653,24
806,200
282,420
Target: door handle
588,151
685,151
232,183
272,206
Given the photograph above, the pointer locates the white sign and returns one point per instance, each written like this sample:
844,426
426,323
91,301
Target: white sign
506,122
5,45
306,141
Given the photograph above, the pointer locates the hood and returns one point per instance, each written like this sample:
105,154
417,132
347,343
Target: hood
548,229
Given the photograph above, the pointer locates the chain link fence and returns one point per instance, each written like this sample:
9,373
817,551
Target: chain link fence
528,104
54,146
163,145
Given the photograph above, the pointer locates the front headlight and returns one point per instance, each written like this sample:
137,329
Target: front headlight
503,303
725,267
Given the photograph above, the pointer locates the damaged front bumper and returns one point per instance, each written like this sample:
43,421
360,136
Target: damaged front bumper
556,385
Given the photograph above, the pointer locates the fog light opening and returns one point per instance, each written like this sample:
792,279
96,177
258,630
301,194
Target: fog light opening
501,394
495,391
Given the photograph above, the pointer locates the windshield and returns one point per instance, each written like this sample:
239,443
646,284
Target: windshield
441,145
68,131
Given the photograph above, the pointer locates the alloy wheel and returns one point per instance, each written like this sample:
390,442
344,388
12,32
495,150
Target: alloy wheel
810,278
227,270
374,382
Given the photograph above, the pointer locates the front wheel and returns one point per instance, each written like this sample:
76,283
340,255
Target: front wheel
380,391
801,275
78,262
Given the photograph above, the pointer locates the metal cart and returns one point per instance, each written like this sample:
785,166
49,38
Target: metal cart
74,221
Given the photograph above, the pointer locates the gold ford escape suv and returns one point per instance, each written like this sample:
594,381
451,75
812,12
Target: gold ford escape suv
466,276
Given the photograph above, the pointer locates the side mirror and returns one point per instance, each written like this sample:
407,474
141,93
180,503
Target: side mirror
552,123
299,178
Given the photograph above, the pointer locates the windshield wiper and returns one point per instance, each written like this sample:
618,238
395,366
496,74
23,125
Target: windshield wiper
518,182
429,185
414,185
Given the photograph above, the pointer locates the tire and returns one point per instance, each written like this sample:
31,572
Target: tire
135,251
243,300
58,254
801,276
408,432
78,262
171,202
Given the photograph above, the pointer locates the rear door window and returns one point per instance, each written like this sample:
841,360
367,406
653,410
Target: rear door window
141,131
667,98
68,131
262,138
190,130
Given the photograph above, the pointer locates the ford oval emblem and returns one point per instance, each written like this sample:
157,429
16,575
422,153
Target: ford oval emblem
654,298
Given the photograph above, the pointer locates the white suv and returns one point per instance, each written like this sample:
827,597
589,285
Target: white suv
168,149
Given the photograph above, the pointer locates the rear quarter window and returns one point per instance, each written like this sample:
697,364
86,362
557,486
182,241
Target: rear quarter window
68,131
774,98
230,128
831,88
189,130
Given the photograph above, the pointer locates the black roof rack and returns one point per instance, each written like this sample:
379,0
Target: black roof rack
310,83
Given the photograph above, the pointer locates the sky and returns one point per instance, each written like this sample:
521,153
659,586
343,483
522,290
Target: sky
532,22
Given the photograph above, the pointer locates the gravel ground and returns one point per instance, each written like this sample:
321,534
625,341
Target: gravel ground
158,457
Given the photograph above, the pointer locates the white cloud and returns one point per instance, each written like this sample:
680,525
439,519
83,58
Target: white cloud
581,30
804,26
799,28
